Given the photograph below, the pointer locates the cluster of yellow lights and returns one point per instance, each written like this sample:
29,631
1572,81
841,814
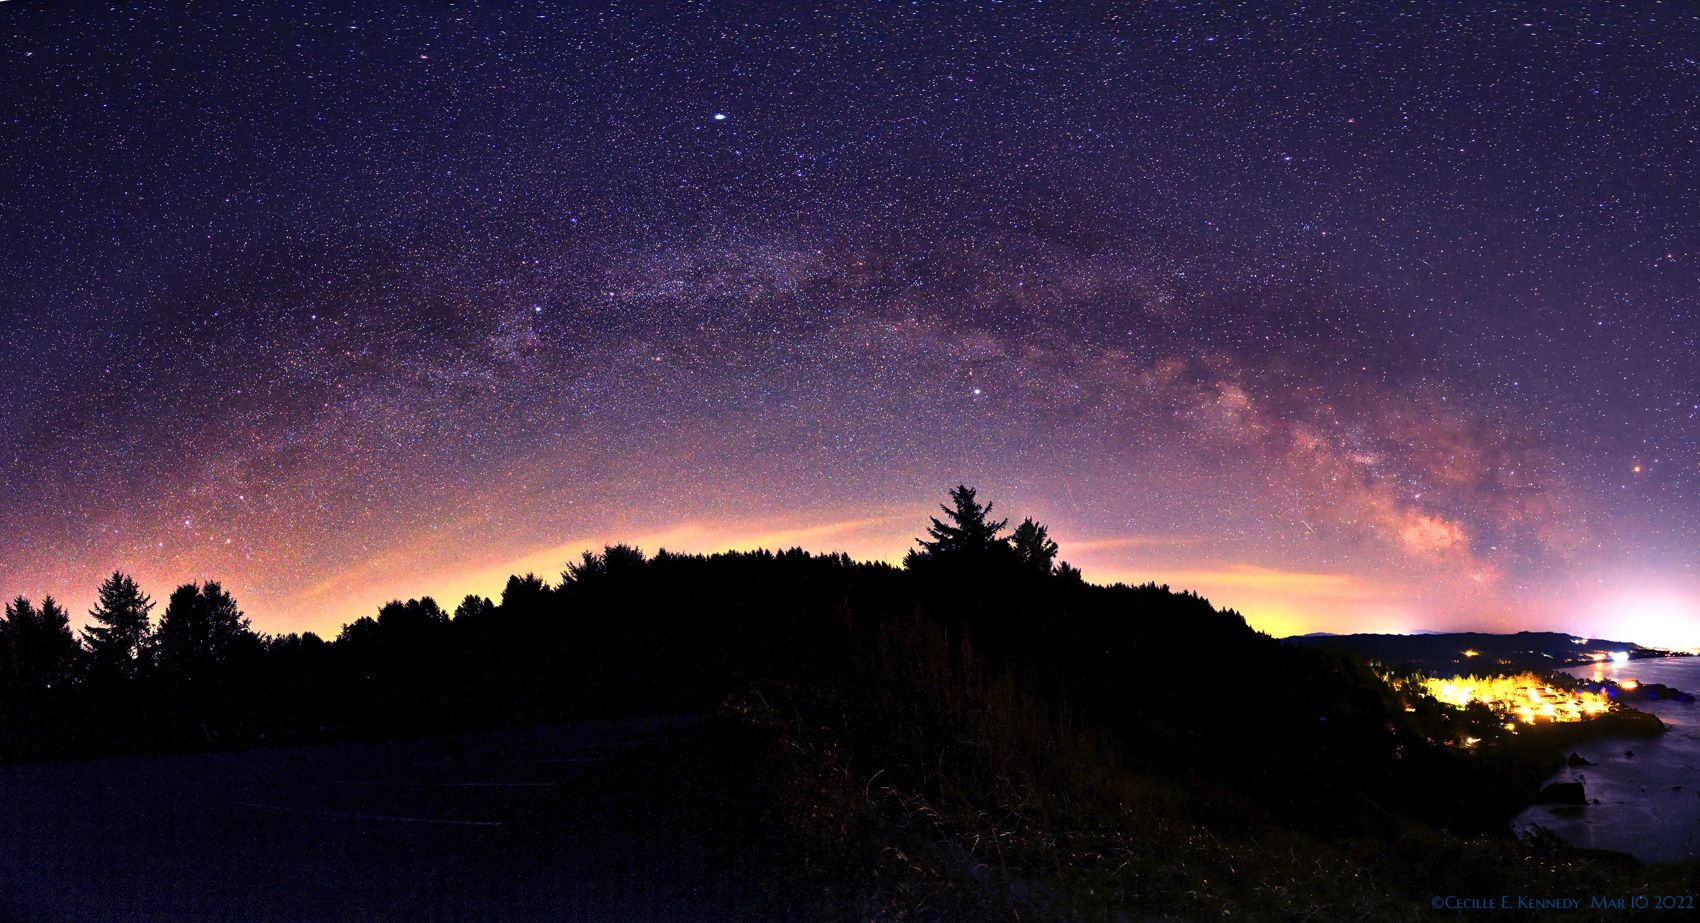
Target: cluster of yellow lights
1525,697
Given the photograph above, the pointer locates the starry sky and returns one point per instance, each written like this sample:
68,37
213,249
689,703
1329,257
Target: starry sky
1354,316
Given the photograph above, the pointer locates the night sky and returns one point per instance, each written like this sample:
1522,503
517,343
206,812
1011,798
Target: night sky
1373,316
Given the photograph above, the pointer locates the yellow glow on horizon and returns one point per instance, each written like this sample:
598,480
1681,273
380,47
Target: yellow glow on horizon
360,591
463,555
1275,601
1255,577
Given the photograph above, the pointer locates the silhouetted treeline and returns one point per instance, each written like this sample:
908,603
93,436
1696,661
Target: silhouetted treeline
1175,683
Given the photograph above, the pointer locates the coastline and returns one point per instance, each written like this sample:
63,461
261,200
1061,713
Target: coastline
1642,791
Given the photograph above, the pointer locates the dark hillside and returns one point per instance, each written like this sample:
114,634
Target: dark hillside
1523,650
976,732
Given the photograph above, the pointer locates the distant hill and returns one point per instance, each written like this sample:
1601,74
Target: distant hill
1466,651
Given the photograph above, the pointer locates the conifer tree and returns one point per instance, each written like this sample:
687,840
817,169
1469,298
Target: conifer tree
118,641
201,629
970,533
38,667
473,608
37,650
1033,546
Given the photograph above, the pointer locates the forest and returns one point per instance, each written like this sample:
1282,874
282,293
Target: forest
1088,736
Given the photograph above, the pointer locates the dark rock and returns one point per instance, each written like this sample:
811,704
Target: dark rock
1562,793
1659,692
1629,753
1577,759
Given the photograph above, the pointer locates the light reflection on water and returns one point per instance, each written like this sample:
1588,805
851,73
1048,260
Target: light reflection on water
1650,802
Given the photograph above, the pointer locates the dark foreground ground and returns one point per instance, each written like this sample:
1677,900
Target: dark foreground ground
569,822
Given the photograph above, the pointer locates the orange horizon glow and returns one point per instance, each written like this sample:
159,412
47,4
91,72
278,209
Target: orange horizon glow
1278,600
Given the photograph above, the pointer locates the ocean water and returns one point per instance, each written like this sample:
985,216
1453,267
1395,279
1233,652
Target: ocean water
1649,801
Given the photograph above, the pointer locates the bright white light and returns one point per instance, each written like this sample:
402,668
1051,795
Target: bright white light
1665,617
1619,656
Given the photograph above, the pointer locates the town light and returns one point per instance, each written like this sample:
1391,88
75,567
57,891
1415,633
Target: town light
1524,697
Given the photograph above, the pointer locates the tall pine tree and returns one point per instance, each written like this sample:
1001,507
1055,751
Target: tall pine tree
38,668
201,630
118,641
970,534
204,657
37,650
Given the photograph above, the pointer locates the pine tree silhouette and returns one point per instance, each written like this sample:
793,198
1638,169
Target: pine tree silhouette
473,608
204,655
525,593
969,534
1033,546
118,642
39,665
201,629
37,650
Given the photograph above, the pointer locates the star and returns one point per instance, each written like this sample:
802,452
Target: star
1392,352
